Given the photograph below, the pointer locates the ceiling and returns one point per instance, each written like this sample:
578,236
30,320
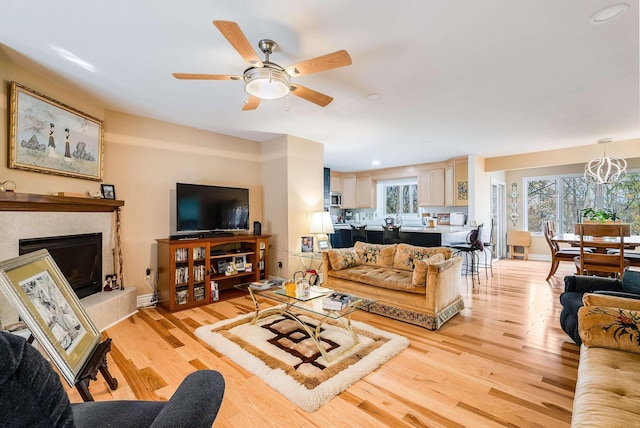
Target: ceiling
490,77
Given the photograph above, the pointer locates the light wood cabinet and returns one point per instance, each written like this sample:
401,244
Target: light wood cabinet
188,267
365,195
349,190
431,191
449,186
335,182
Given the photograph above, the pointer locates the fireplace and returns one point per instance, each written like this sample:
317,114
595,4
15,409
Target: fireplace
79,257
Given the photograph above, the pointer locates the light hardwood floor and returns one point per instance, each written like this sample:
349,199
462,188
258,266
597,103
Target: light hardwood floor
504,361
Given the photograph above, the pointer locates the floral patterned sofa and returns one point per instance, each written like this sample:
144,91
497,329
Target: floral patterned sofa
418,285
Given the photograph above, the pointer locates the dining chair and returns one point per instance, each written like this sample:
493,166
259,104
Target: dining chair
471,250
358,233
558,254
595,235
391,235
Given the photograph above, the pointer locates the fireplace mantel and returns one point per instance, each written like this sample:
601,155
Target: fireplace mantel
11,201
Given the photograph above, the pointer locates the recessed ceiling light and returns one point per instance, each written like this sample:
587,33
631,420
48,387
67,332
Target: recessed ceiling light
609,13
375,163
373,97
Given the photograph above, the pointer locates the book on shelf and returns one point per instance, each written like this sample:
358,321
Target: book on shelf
337,301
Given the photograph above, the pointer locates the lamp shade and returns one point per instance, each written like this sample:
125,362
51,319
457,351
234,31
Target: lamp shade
321,223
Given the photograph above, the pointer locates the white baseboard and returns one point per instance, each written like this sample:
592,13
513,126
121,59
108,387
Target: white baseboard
144,300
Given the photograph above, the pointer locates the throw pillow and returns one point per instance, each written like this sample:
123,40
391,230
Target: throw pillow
342,258
613,328
590,299
419,278
407,255
375,254
631,282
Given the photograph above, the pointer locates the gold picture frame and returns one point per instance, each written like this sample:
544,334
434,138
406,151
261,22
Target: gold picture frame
38,290
50,137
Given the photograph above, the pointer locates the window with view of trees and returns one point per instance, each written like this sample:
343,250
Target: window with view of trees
562,198
399,198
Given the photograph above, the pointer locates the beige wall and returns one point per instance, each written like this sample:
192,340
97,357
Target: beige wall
293,182
627,149
144,159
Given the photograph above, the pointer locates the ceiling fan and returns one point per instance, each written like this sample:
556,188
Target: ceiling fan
265,79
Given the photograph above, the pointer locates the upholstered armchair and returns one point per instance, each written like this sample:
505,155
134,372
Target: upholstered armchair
575,286
31,395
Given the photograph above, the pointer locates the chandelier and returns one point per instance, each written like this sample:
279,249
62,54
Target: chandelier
606,169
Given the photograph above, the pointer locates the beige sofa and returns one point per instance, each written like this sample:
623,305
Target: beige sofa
418,285
609,369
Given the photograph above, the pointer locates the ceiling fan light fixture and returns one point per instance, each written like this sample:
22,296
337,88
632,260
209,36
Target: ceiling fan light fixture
267,83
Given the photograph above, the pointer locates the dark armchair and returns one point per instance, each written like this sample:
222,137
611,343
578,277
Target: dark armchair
31,395
577,285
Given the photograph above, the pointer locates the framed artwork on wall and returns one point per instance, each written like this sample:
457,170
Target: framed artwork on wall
38,290
50,137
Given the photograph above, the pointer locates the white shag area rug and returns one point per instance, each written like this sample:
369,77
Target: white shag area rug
279,351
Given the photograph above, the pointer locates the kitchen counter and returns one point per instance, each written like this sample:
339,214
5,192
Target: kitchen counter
420,229
415,235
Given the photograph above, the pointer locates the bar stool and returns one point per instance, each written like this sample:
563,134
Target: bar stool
391,235
471,249
358,233
489,250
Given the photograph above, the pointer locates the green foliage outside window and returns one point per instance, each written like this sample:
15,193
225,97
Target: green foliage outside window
567,200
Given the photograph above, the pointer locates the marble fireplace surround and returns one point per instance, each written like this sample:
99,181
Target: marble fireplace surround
35,216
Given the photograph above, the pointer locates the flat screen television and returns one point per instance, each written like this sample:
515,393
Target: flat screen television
211,208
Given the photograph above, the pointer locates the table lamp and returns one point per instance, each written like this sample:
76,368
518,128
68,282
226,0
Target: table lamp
322,225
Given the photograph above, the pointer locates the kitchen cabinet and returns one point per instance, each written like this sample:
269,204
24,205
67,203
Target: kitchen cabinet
456,184
349,189
365,195
431,185
449,186
335,180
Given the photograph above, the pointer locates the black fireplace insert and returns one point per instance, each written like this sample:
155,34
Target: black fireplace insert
79,257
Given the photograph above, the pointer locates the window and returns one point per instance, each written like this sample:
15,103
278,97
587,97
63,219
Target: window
398,197
562,198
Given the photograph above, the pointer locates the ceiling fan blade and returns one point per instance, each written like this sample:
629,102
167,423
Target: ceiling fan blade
190,76
232,32
310,95
321,63
252,103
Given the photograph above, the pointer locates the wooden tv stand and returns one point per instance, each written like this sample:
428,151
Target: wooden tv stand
188,267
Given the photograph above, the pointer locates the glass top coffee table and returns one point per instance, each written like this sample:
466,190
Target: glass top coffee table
293,306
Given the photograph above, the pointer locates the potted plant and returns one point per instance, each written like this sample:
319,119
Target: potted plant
598,216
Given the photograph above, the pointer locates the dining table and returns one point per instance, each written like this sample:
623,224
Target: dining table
599,244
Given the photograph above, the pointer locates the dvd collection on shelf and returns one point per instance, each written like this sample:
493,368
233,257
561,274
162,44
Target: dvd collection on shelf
182,255
182,275
198,292
182,295
336,301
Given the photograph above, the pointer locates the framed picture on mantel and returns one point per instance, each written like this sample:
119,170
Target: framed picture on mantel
48,136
